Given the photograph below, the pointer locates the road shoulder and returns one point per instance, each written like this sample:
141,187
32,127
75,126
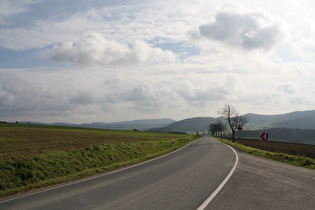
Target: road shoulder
259,183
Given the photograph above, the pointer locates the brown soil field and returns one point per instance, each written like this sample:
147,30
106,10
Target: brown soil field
282,147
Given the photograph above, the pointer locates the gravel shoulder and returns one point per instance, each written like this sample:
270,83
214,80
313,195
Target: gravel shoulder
259,183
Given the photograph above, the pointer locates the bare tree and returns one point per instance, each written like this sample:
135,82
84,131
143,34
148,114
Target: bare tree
234,120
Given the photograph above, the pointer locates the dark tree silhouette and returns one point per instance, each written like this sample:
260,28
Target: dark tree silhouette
217,128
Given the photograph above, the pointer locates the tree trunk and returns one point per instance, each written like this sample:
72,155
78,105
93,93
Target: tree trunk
233,136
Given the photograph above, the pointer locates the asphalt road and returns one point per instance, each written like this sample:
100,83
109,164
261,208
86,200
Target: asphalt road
181,180
258,183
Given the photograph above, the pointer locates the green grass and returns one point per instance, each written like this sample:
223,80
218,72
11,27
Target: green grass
300,161
33,156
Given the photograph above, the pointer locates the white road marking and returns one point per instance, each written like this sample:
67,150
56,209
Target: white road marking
212,196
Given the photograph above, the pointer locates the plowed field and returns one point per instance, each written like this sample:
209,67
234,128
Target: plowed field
274,146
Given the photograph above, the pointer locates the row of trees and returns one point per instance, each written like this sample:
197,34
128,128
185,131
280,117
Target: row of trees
217,128
234,120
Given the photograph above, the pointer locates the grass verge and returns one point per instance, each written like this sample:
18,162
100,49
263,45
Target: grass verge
20,174
300,161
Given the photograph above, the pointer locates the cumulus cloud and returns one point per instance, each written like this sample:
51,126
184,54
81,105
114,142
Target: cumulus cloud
235,25
144,98
94,48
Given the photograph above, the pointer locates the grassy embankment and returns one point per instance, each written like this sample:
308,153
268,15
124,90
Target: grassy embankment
300,161
34,156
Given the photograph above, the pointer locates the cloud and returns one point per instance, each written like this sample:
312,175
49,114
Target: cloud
10,8
210,70
133,92
82,98
93,48
143,97
149,21
237,26
288,87
139,93
193,92
21,97
18,96
126,23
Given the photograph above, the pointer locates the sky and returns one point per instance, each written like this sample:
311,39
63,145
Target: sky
119,60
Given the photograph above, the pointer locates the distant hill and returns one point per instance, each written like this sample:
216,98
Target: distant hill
298,127
294,121
301,119
190,125
125,125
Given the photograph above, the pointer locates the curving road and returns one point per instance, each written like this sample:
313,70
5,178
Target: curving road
181,180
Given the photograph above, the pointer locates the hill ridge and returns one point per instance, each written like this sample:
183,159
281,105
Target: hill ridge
296,120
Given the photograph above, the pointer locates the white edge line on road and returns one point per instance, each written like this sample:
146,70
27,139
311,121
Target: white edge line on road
212,196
